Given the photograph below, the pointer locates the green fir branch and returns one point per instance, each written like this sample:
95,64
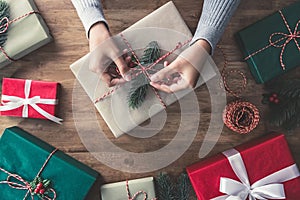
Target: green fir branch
183,187
140,84
165,187
4,12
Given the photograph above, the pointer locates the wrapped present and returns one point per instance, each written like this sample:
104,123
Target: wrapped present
261,169
138,189
168,30
29,99
26,31
32,169
271,46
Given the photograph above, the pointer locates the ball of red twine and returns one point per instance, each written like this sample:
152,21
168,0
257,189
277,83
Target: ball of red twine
241,116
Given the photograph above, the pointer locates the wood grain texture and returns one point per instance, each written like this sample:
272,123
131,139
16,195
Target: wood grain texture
51,63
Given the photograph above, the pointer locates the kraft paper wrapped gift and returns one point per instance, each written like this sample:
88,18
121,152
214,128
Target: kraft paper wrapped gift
114,109
25,34
263,168
24,155
118,191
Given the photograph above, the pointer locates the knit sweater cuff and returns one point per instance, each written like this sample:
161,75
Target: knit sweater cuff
89,13
214,18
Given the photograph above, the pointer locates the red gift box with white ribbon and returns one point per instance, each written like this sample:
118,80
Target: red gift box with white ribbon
261,169
29,99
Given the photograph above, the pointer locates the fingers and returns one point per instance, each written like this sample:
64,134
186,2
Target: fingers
181,84
110,81
163,73
122,66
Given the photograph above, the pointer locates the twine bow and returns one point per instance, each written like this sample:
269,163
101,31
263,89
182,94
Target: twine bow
14,102
269,187
21,184
6,25
288,37
143,69
134,197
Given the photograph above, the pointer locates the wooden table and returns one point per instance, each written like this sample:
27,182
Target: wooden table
51,63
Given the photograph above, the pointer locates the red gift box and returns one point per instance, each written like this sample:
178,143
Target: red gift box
260,158
29,99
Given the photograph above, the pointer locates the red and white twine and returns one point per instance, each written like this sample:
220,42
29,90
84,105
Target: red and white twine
25,185
134,197
291,36
6,25
143,69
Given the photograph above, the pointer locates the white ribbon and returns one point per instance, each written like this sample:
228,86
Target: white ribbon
14,102
269,187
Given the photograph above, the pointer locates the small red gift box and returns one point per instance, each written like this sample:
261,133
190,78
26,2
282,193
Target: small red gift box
29,99
261,169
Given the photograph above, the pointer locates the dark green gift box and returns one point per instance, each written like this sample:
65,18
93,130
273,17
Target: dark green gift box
264,61
24,154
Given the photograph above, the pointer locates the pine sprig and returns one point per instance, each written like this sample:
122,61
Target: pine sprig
183,187
4,12
284,103
167,189
140,84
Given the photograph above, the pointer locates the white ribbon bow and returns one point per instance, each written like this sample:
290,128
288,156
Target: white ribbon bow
16,102
269,187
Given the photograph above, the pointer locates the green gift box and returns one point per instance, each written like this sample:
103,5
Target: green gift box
271,46
138,187
26,33
24,155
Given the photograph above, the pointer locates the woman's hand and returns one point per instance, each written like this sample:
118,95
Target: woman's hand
99,34
183,72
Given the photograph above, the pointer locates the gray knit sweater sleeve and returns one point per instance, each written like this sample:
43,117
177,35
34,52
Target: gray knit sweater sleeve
89,12
213,20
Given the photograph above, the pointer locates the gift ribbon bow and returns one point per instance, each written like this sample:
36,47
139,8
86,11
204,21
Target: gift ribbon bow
22,184
269,187
134,197
143,69
16,102
288,37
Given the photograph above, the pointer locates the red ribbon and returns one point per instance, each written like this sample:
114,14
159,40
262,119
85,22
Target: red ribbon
143,69
23,184
136,194
6,25
288,37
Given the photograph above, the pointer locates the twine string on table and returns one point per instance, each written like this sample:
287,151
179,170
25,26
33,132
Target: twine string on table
288,37
6,26
239,116
22,184
143,69
134,197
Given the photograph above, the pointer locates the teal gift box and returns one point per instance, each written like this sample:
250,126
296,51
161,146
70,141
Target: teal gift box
22,156
271,46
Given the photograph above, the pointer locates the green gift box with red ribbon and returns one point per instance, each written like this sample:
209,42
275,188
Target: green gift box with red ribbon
271,46
32,169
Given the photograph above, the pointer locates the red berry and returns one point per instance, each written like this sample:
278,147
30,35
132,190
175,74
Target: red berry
274,95
42,191
36,190
271,99
39,185
276,101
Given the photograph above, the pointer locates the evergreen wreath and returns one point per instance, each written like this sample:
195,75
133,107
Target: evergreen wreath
284,103
140,84
4,12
